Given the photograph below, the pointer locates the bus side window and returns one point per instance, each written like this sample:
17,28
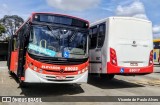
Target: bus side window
90,36
93,41
101,35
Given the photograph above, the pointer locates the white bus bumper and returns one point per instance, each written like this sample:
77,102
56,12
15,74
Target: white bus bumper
35,77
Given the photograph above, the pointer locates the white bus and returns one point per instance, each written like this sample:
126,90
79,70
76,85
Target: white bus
121,46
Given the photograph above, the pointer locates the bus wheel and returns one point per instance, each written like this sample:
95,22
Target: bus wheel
110,76
107,76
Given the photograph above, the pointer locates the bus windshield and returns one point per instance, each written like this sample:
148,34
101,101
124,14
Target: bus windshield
58,42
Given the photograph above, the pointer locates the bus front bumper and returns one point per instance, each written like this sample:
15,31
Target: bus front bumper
35,77
112,69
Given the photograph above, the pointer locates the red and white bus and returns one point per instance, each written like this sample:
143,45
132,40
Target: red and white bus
50,48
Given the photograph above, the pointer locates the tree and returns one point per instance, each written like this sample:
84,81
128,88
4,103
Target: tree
2,30
11,23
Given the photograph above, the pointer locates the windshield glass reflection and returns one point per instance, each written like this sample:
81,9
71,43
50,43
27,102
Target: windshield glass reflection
58,42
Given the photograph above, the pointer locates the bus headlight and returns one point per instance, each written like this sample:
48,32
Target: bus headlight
85,69
30,65
79,72
35,68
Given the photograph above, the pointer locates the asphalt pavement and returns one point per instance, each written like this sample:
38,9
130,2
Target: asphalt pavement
144,85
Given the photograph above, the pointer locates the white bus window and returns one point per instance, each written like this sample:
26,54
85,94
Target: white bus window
101,35
93,42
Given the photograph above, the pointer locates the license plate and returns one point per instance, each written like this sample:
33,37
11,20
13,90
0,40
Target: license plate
60,77
134,64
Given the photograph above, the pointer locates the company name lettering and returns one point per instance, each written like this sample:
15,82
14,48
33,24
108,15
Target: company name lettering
50,67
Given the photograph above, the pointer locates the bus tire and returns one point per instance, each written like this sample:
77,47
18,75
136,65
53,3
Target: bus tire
107,76
110,76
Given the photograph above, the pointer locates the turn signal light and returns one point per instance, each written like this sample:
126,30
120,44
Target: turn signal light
113,57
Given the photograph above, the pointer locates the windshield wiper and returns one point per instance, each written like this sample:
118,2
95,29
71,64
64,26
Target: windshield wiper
52,32
73,36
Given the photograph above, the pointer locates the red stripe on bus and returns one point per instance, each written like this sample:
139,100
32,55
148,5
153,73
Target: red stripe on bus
111,69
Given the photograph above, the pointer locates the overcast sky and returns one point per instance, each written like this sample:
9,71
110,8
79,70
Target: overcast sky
91,10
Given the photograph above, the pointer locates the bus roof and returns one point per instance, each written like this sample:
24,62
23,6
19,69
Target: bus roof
50,13
118,17
30,18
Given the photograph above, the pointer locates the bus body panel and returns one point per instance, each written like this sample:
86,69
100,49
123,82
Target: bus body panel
99,56
131,39
36,72
14,61
111,69
96,61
